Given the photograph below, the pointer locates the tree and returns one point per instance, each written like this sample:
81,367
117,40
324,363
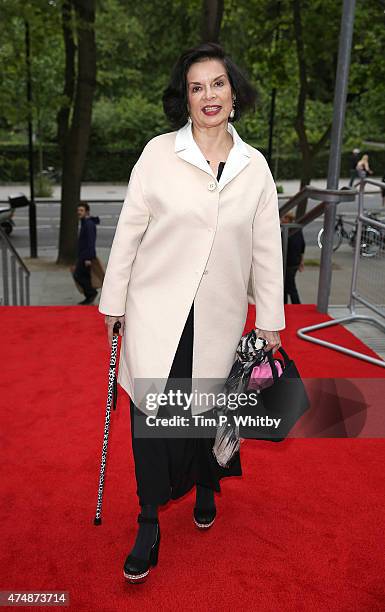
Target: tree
308,151
212,13
74,118
46,60
139,42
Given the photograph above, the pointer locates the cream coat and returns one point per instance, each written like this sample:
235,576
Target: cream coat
182,236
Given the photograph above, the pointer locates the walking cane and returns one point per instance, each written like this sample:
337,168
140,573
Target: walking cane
111,399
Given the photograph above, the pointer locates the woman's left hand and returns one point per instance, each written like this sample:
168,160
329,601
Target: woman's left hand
272,337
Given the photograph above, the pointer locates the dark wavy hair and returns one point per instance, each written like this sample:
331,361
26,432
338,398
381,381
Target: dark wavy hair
175,95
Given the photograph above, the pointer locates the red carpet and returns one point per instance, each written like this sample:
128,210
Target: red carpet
303,529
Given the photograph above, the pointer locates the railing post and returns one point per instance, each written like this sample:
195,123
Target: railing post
357,250
27,291
21,286
13,280
4,256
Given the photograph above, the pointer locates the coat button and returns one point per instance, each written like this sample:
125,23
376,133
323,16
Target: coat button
211,186
206,272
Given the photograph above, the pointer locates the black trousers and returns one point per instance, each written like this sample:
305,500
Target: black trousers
353,176
290,286
82,275
167,468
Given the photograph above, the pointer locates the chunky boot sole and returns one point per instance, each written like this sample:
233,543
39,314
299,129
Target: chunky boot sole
139,575
209,515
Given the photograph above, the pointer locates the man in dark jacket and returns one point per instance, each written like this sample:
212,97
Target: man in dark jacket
86,252
355,158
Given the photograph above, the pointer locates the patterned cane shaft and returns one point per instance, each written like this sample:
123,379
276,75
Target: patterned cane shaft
111,377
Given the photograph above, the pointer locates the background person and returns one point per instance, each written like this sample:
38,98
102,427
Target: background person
356,154
294,260
201,212
86,252
362,167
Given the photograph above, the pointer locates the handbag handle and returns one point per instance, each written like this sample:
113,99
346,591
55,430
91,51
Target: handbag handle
273,367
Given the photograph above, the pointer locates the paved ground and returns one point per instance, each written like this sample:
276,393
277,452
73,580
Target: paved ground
53,285
107,206
117,190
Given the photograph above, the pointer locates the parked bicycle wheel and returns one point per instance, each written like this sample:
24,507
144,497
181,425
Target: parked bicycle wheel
370,242
337,238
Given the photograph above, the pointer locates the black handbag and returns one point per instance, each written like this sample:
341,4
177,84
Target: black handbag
285,400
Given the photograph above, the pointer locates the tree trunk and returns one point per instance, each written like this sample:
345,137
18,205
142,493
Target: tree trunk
69,74
299,122
212,13
75,140
308,151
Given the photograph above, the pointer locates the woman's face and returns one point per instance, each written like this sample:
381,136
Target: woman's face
209,94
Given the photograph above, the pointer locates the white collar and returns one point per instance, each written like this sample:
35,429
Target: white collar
187,149
184,138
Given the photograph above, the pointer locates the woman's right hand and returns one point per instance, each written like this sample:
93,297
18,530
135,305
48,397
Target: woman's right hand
110,322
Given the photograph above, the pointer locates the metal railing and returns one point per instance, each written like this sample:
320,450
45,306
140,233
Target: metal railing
14,275
368,279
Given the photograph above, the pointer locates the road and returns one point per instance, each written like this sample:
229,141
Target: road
48,217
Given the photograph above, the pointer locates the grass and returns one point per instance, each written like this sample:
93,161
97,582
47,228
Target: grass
315,263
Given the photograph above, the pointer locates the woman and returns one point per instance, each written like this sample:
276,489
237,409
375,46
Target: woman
200,216
362,167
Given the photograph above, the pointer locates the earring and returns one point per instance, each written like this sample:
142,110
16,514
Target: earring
232,112
188,117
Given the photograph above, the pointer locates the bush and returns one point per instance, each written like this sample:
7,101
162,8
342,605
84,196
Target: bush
43,186
114,164
13,170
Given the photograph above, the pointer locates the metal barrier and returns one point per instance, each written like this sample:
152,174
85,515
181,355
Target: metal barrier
368,278
15,274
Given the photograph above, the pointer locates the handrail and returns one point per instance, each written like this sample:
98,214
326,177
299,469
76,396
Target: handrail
316,193
370,181
14,252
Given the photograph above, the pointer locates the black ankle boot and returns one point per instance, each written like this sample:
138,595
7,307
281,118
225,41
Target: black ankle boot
136,569
204,510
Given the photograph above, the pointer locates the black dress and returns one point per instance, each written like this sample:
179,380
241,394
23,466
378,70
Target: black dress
167,468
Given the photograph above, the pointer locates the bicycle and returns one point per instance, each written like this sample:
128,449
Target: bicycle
372,240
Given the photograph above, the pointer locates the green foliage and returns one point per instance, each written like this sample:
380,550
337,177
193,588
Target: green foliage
127,122
138,43
13,170
114,163
43,186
